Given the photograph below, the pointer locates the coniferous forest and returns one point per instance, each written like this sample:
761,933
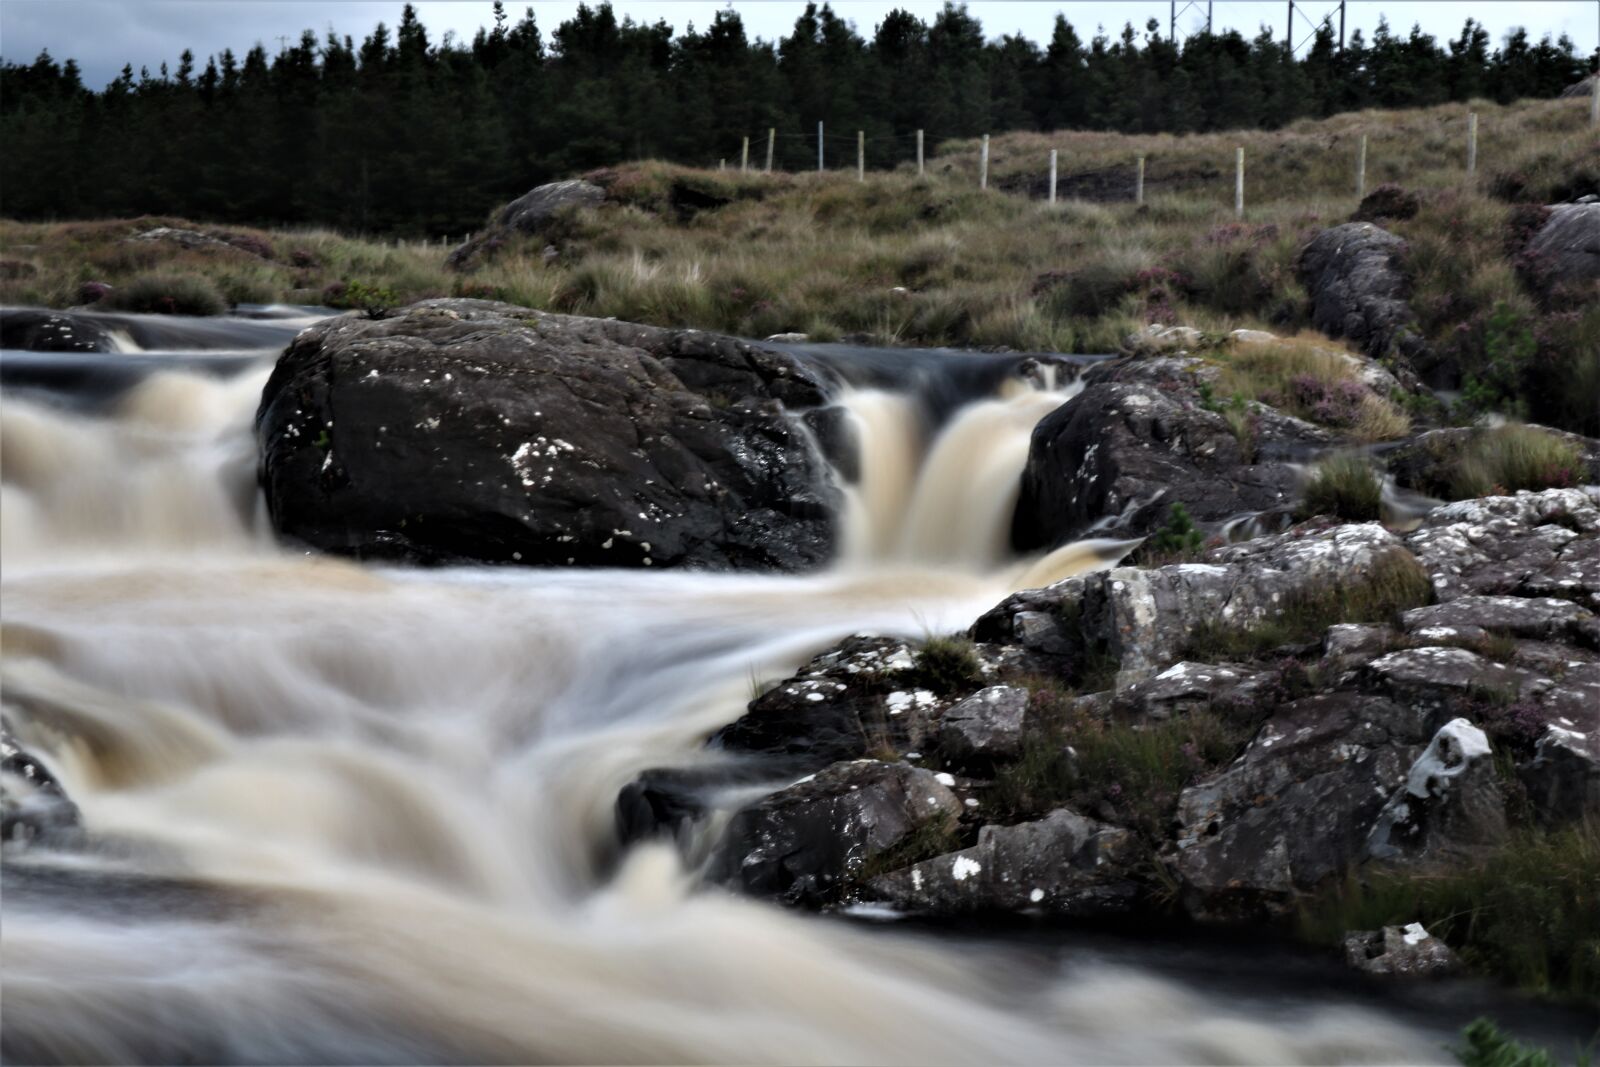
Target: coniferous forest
403,133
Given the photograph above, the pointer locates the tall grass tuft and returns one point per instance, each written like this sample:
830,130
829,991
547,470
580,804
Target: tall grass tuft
1344,486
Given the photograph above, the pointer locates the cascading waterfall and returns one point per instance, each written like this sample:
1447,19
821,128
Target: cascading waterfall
344,813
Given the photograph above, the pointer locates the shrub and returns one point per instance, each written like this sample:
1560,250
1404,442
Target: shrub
1485,1045
1179,540
167,294
1509,458
1345,487
375,300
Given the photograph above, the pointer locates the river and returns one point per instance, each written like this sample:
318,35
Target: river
342,813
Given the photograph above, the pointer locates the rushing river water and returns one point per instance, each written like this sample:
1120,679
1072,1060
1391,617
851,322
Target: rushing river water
344,813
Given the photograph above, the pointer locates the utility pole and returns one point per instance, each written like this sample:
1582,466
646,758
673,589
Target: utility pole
1288,31
1208,18
1172,22
1341,27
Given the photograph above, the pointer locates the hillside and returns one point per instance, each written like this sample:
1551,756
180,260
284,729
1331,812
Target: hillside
934,260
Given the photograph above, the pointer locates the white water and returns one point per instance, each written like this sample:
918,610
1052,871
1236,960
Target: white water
353,814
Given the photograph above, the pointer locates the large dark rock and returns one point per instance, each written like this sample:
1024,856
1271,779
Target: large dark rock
1063,863
469,430
1566,249
32,330
1116,457
33,804
809,843
1563,778
1358,288
530,214
1387,202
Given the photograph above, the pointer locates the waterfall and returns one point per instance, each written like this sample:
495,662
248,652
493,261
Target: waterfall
346,813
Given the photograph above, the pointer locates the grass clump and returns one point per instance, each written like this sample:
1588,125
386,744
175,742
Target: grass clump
1509,458
167,294
1344,486
1129,771
944,665
1313,381
1528,913
1395,583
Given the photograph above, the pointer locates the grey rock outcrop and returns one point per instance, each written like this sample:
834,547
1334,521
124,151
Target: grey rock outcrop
1566,249
530,214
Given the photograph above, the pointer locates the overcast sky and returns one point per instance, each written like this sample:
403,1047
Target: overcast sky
102,35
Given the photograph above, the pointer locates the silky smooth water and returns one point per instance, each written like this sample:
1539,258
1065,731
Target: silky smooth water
345,813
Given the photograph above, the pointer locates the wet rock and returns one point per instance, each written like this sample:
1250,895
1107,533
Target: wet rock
33,804
1400,952
530,214
461,430
1064,863
986,726
1563,778
1566,249
808,843
1116,457
1358,288
1297,807
842,705
1347,646
32,330
1450,805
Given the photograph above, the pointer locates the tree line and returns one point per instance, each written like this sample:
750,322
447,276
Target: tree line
399,133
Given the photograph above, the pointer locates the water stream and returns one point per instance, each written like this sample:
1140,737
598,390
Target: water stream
341,813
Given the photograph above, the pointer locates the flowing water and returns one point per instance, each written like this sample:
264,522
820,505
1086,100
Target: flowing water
345,813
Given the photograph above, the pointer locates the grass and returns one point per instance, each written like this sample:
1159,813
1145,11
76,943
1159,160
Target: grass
1345,487
1179,541
944,665
1483,1044
167,294
1509,458
1310,378
1395,583
1528,913
1094,763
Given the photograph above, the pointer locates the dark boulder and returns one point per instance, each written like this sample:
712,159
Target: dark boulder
1530,544
986,726
1116,457
1355,275
465,430
810,843
32,330
1563,778
33,804
531,214
1064,863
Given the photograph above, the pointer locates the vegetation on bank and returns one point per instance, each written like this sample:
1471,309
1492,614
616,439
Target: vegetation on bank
1528,912
932,260
402,133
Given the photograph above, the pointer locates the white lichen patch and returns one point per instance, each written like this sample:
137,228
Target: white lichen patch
964,867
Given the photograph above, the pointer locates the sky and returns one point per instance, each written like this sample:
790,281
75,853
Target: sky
102,35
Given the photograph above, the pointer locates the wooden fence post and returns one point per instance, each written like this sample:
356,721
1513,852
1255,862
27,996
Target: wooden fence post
744,157
861,155
722,164
983,164
1472,144
1238,183
1052,175
772,137
819,146
1594,100
919,153
1138,185
1361,169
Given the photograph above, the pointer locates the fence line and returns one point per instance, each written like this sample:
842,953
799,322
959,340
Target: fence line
917,139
